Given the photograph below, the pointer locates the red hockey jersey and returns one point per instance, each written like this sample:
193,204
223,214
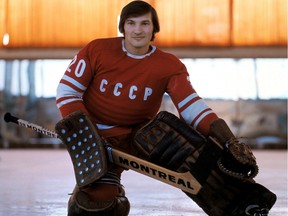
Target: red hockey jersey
119,90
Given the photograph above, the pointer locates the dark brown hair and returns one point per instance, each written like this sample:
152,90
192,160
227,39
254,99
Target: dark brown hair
138,8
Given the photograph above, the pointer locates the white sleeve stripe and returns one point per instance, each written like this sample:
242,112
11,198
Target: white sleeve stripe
60,104
74,82
201,117
64,90
104,127
191,112
187,99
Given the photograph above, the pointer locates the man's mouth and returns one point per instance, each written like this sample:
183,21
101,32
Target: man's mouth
138,38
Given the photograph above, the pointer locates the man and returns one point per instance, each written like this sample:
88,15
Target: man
119,83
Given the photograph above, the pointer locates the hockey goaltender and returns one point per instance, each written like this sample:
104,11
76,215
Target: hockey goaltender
110,95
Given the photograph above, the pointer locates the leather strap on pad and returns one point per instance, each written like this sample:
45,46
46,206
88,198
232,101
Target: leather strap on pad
85,147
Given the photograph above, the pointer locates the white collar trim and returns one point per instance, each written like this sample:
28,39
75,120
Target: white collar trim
137,56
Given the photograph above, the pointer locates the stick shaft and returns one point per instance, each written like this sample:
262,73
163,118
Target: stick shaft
183,181
9,118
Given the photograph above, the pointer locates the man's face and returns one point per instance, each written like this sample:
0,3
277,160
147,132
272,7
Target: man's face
138,32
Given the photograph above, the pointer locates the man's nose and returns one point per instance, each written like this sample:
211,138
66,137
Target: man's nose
138,29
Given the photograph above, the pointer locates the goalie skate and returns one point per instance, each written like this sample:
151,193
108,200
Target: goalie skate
85,147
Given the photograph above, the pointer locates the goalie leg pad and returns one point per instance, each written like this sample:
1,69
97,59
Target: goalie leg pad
169,142
85,147
226,196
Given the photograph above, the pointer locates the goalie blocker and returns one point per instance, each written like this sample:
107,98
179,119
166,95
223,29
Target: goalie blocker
85,147
225,172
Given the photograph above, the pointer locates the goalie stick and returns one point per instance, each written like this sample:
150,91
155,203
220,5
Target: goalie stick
184,181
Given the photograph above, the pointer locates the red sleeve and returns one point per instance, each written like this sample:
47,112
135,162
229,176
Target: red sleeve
73,84
190,106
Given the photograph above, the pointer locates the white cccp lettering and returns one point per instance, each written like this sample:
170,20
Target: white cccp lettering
116,89
103,82
148,92
132,90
